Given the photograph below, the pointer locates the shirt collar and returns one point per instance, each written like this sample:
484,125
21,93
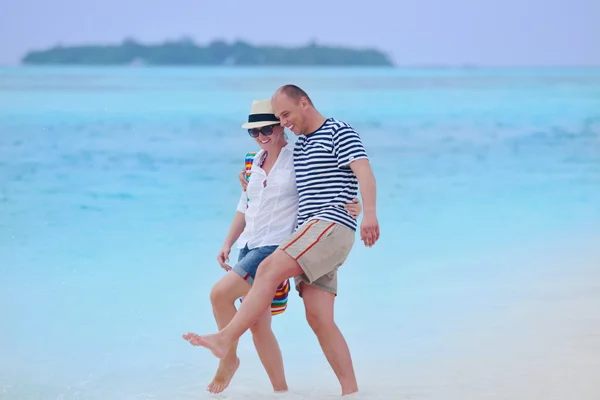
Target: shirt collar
288,147
260,156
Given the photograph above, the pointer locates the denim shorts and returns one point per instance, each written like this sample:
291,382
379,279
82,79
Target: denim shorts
250,259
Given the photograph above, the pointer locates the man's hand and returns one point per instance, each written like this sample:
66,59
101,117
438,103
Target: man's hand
369,229
223,258
243,181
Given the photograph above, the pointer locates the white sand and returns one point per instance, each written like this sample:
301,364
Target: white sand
544,346
542,342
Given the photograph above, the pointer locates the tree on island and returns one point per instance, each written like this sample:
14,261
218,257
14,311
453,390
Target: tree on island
185,52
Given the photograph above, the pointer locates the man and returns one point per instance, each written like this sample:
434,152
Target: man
330,161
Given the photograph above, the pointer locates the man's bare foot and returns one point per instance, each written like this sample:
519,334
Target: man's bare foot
349,392
223,376
212,342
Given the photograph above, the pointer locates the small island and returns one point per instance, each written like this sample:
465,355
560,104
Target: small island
185,52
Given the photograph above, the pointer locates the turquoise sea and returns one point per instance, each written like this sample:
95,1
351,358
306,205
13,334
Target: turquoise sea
117,187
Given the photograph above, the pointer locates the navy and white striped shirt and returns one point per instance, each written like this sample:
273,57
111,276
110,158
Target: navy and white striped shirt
323,175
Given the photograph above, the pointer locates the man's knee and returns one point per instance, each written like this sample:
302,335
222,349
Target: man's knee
265,269
318,305
277,267
318,320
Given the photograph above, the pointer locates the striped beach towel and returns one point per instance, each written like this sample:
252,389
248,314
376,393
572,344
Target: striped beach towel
248,163
279,303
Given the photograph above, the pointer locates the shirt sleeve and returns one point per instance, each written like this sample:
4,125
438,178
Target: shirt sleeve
347,146
241,207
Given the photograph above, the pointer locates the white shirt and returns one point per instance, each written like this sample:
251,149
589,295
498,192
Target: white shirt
272,202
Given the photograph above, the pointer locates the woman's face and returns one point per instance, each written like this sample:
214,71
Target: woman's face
268,137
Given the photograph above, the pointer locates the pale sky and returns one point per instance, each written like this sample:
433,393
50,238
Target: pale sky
447,32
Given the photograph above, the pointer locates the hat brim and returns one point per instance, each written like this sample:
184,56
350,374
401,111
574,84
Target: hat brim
258,124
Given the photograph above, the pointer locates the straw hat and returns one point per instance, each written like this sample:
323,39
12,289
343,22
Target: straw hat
261,114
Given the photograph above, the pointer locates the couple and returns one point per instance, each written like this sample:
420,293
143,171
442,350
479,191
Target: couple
318,180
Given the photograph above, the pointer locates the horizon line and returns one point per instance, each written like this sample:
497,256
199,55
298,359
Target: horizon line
465,65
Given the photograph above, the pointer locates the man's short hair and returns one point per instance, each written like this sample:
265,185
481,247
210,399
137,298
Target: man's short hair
294,93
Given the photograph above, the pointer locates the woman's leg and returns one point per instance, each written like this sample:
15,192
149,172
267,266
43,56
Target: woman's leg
223,296
232,286
269,352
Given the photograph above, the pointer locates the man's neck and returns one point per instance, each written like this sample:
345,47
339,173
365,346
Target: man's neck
317,120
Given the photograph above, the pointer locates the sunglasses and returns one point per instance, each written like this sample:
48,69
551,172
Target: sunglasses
265,130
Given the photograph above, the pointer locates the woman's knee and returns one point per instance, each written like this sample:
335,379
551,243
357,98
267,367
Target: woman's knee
262,326
220,293
260,330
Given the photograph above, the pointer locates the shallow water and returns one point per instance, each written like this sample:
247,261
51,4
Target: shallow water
117,187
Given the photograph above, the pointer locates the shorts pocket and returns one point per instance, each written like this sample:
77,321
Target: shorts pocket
266,250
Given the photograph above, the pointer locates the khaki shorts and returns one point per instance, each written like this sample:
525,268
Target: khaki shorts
320,247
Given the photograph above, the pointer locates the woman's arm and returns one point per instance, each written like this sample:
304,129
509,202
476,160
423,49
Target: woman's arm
235,230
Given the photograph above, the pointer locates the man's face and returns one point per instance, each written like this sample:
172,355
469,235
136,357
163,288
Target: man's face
292,114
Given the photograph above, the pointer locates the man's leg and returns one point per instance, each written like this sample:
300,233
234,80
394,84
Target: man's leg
319,314
318,287
316,249
275,269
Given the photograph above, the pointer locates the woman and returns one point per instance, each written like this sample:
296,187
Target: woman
266,214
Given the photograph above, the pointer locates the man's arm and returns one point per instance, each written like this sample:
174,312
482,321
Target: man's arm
351,153
369,229
366,183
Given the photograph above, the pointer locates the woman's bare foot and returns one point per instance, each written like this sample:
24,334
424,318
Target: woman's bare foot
212,342
223,376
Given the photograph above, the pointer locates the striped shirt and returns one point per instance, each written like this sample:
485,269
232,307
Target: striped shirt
323,175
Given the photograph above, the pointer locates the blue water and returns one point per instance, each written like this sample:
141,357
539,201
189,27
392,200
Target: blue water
117,187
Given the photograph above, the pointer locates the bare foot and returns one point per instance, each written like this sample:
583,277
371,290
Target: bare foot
212,342
223,376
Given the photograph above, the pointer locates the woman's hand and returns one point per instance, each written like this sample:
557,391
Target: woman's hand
223,258
354,208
